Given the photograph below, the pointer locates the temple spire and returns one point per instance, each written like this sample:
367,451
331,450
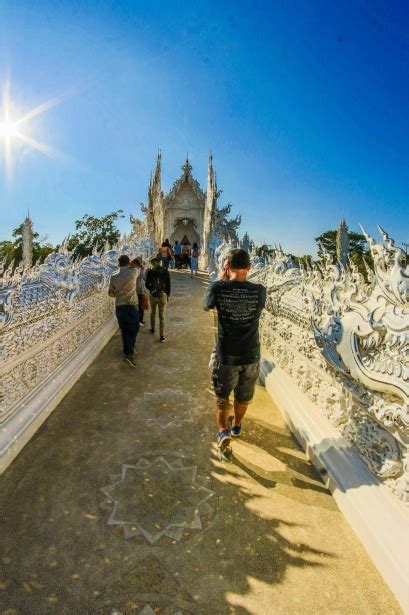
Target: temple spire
210,206
155,181
342,243
27,242
158,169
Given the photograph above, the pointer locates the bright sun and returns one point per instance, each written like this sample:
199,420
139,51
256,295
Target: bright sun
8,129
12,131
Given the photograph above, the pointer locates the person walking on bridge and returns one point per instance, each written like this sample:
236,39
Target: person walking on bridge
166,254
158,284
140,288
177,251
236,364
194,257
122,286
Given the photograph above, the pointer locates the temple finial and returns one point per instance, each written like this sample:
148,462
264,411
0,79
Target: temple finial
187,167
210,163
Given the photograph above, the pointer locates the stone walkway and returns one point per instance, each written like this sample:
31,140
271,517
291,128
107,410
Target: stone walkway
119,504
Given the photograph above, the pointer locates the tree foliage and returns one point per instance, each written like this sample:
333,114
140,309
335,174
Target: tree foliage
358,248
7,250
328,241
304,261
93,232
13,250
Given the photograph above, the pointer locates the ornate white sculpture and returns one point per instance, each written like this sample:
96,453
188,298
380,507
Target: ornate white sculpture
47,312
345,343
139,227
218,255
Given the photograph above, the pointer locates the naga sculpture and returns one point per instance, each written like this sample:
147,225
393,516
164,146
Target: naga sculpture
345,343
140,228
225,228
48,311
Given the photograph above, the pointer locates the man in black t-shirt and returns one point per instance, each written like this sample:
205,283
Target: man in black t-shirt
239,304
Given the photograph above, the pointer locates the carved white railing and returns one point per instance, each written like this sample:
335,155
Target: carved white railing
345,343
53,319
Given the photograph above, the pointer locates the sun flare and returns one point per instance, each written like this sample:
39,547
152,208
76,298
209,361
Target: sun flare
10,129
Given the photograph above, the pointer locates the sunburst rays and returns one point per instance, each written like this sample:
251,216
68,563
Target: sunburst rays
11,128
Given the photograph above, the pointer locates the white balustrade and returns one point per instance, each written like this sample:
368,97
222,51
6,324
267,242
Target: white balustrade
54,319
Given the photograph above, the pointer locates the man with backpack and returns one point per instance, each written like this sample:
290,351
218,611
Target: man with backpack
158,284
236,364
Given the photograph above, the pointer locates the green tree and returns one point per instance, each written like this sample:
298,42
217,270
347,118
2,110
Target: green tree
93,232
303,260
7,250
328,241
40,252
14,249
358,248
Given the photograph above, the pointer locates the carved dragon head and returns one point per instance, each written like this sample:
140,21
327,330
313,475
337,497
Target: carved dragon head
367,325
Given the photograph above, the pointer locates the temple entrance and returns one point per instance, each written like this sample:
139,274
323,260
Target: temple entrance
185,232
186,235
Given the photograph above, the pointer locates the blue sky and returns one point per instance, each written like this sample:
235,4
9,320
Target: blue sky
304,104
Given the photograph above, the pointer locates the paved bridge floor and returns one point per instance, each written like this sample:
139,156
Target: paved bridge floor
119,504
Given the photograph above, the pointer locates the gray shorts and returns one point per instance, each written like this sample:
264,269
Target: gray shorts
241,379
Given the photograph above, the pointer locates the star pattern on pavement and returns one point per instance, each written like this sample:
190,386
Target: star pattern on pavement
156,498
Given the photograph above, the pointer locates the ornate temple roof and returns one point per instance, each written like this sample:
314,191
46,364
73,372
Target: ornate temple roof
186,177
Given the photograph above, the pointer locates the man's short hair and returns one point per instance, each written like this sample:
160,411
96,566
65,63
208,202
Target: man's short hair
155,262
123,260
238,259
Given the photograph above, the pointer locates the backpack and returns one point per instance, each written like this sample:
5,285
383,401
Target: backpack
195,253
157,284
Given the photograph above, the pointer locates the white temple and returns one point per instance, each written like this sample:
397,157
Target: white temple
186,213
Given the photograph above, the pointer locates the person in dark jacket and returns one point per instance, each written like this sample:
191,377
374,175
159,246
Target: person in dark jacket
158,284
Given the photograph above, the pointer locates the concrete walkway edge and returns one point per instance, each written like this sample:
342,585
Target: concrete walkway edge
40,402
380,522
